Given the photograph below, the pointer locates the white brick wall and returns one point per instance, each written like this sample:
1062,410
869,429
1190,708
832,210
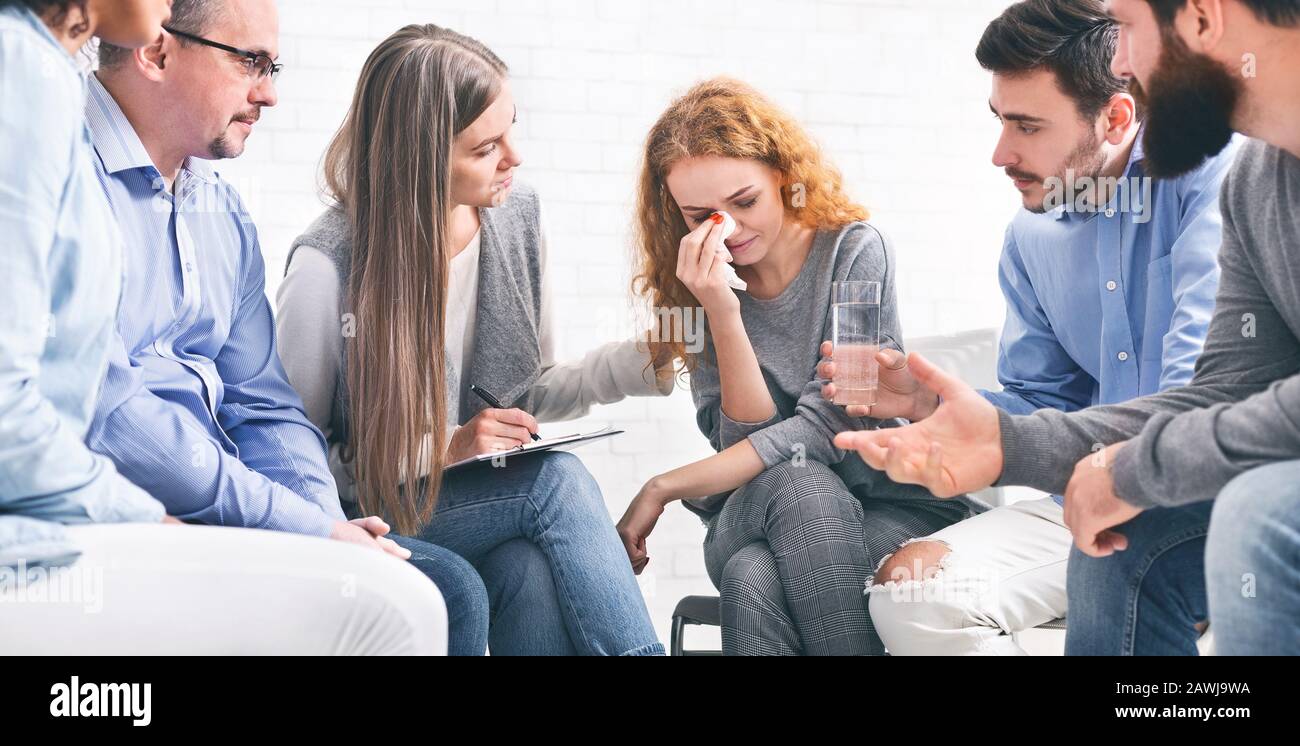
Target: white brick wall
890,87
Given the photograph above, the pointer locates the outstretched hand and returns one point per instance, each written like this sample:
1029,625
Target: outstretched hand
956,450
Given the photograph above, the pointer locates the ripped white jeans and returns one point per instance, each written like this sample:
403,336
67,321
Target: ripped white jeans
1004,573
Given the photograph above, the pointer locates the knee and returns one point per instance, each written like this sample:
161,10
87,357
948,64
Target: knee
457,580
1090,578
907,604
917,561
429,624
1250,513
1234,533
461,585
809,487
567,468
1097,592
789,472
567,480
1103,591
402,612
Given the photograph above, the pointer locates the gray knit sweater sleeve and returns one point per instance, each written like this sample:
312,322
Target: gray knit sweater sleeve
787,334
1242,408
864,254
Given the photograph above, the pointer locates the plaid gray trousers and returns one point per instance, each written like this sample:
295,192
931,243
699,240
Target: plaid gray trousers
791,551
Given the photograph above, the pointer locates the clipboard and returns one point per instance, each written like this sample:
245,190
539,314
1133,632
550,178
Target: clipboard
562,443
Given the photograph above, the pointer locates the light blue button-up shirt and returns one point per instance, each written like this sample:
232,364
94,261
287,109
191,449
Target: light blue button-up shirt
198,409
1109,305
60,278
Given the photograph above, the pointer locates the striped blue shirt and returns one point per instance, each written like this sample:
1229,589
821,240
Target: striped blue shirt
60,278
1113,304
197,409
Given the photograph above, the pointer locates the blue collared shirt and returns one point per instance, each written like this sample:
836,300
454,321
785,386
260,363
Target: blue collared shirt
60,278
1109,305
197,408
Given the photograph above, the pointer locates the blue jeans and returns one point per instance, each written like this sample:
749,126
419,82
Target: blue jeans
1253,563
462,592
1147,599
557,577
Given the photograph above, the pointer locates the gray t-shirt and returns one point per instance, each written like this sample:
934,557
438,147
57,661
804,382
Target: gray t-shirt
786,333
1242,408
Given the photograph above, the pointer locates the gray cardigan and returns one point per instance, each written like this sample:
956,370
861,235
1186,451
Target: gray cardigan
509,307
514,337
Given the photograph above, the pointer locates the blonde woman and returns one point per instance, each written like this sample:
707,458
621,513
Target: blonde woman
794,526
428,276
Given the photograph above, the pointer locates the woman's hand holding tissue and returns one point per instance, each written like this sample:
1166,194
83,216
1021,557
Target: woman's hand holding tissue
702,267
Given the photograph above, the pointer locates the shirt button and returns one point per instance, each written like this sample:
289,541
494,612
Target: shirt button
1110,212
1112,285
189,267
1123,356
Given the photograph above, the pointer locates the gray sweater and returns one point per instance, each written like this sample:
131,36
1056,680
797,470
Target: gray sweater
786,333
1242,408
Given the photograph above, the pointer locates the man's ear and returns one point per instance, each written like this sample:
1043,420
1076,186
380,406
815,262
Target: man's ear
1201,24
1120,114
151,60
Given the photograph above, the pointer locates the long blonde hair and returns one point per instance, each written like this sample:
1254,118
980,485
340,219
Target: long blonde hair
389,169
725,118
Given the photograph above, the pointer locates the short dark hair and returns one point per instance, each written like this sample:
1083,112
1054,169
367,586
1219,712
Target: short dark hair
1074,39
60,7
190,16
1276,12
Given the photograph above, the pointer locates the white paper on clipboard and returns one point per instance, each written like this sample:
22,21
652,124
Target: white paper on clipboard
563,443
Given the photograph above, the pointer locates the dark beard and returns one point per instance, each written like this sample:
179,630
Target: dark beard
221,148
1189,109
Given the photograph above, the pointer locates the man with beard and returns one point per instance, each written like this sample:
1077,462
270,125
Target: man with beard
1109,279
1231,437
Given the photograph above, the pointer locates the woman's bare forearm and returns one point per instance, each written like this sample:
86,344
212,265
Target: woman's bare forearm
745,397
721,472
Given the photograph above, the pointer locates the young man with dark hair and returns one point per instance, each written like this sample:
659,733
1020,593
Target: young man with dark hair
1109,279
1228,439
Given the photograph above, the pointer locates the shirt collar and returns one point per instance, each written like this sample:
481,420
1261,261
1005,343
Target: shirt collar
1139,150
116,141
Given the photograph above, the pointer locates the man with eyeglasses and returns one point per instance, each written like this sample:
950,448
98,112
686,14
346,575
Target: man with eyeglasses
196,408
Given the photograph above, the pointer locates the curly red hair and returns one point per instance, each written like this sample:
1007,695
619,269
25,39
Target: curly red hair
725,118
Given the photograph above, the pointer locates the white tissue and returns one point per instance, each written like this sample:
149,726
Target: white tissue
728,228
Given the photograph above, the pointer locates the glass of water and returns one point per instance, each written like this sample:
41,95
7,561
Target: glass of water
855,319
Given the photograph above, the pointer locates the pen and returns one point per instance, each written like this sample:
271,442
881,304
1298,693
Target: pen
491,400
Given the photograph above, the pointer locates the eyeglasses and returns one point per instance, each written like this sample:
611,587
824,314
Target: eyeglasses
255,63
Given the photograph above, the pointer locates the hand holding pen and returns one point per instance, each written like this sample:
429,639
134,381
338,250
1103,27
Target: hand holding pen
491,430
492,401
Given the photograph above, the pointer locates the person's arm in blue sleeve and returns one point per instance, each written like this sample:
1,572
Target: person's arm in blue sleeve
46,470
165,450
260,411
